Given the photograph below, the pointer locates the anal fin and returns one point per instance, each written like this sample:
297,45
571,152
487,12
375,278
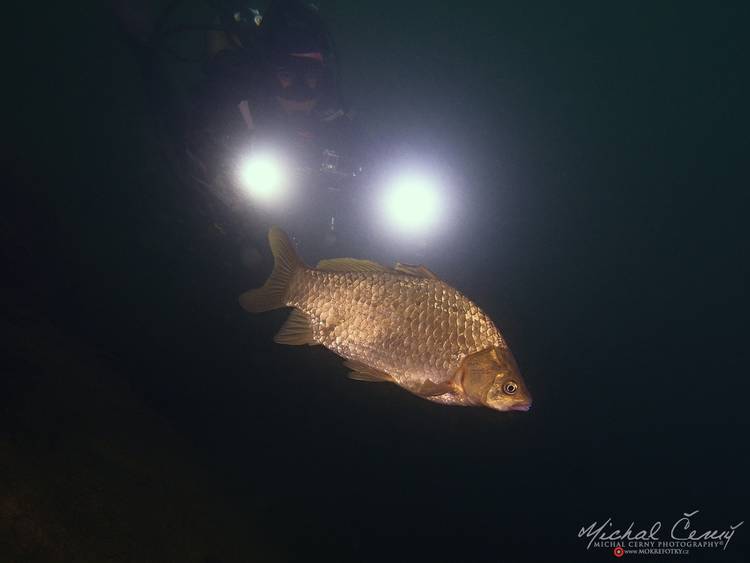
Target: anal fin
363,372
296,331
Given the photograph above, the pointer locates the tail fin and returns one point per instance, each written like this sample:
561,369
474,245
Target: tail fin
273,294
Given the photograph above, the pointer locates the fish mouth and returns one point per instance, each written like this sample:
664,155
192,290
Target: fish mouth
521,407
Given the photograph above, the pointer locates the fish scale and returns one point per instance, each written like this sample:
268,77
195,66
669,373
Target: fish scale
411,328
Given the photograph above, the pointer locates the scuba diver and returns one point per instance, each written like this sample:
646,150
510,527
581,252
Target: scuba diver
272,79
273,76
267,79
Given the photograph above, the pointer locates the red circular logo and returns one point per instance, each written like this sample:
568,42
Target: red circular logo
618,551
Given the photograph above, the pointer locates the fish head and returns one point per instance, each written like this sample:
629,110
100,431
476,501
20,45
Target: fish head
491,378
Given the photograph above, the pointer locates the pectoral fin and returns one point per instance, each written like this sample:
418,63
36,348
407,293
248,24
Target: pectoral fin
296,331
414,270
431,389
362,372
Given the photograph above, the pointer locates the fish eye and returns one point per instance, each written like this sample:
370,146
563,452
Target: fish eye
510,387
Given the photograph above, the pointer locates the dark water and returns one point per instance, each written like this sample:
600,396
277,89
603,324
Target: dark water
602,157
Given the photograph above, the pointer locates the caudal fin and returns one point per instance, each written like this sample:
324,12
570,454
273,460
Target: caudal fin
274,292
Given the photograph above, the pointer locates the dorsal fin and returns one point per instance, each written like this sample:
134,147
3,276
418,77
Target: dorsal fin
351,265
415,270
363,372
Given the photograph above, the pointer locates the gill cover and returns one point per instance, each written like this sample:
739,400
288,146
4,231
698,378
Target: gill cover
478,372
492,378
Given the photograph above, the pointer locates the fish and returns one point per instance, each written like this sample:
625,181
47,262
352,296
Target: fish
399,324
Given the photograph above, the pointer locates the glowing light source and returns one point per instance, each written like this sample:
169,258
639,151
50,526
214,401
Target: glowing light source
413,203
262,175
